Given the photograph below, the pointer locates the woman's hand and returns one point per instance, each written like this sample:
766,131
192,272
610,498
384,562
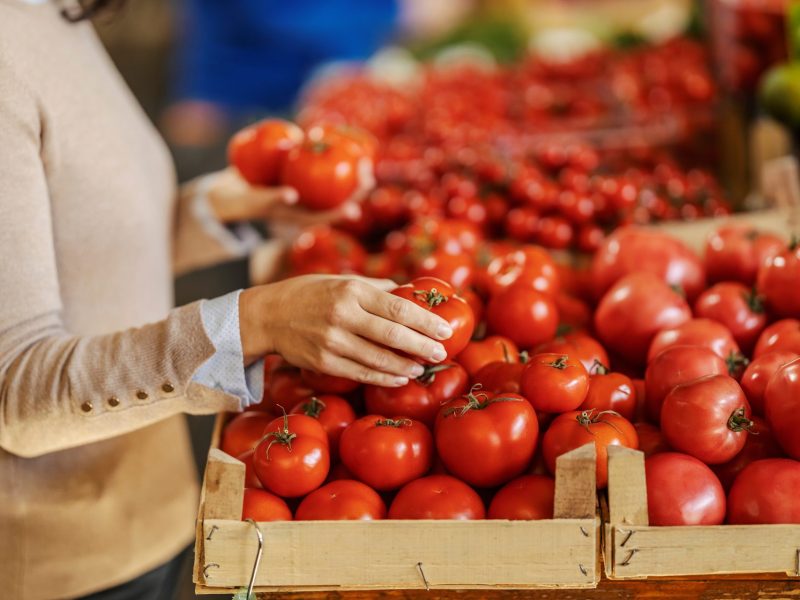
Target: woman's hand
341,326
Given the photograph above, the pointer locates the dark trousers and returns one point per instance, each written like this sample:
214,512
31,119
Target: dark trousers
159,584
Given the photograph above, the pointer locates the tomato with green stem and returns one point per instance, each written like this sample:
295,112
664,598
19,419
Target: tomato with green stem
554,383
333,413
386,453
577,428
610,391
576,344
479,353
707,418
486,439
758,446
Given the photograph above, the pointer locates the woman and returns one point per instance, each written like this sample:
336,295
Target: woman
96,483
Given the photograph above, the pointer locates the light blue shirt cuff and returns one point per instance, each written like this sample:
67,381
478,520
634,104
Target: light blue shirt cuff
225,369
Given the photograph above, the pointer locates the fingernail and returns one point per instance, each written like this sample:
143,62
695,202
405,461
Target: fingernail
398,381
439,354
290,196
416,370
444,332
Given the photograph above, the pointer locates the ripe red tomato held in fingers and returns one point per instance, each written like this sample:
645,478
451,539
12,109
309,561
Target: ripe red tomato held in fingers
293,458
327,384
421,398
259,151
486,440
574,429
524,315
333,413
708,418
494,348
651,440
633,311
632,249
261,506
440,298
500,376
437,497
554,383
326,172
782,335
682,490
761,444
578,345
386,453
766,491
758,373
526,498
250,477
243,432
735,253
673,367
529,265
781,404
696,332
737,307
342,500
779,282
610,391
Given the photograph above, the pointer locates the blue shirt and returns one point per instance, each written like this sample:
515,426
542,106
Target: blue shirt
254,55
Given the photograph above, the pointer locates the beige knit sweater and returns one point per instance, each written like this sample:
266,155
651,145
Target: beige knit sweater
96,478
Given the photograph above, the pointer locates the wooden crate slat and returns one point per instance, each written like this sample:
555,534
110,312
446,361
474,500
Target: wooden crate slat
627,489
576,490
384,554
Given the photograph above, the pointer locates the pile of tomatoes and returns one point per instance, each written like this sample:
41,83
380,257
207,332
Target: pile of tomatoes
695,361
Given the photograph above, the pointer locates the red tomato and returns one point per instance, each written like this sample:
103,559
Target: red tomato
437,497
554,232
440,298
781,400
526,498
757,375
523,315
577,345
574,429
681,490
494,348
260,150
676,366
421,398
475,303
250,477
651,440
779,282
326,172
486,440
327,384
332,412
530,265
455,269
261,506
341,500
243,432
386,453
780,336
634,310
696,332
357,139
554,383
572,312
766,491
321,244
610,391
760,445
735,253
708,418
522,223
631,249
500,376
293,458
737,308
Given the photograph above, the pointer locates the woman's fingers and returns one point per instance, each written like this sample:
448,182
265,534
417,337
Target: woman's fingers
404,312
380,359
232,199
350,369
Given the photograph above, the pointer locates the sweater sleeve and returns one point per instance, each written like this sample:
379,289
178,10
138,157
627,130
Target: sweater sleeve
57,389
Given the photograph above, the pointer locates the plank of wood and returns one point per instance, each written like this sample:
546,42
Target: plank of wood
627,488
395,554
224,486
671,551
576,490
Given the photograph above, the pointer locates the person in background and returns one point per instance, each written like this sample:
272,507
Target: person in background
98,492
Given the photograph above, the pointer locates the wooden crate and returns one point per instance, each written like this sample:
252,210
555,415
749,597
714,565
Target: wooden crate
635,550
563,552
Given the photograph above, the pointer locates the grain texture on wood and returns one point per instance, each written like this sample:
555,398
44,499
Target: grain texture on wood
223,486
627,489
576,490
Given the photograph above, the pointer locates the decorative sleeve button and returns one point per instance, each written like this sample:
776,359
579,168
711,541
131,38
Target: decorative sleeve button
113,401
141,395
168,388
86,407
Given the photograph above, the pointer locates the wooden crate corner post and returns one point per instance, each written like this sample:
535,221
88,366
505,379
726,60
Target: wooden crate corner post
627,505
576,487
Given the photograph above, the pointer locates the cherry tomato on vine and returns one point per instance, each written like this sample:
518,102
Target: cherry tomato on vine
339,500
437,497
386,453
486,440
525,498
682,490
554,383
